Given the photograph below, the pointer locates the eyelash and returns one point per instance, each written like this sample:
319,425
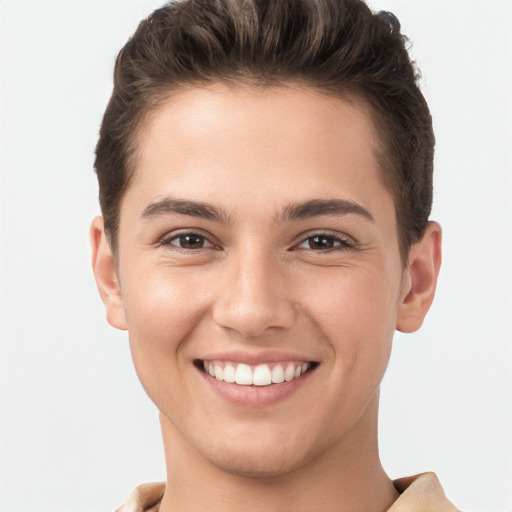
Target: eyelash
167,240
344,243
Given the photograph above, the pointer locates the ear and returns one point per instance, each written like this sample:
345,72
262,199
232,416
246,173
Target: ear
420,279
104,268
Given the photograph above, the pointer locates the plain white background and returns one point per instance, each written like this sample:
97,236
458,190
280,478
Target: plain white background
77,431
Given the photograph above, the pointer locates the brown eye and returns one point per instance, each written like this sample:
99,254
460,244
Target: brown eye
324,242
190,241
321,242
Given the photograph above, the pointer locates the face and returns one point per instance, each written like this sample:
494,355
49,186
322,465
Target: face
259,273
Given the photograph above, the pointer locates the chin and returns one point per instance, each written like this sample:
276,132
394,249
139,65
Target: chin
255,467
256,461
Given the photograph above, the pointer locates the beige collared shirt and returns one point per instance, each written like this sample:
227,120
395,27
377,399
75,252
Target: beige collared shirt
419,493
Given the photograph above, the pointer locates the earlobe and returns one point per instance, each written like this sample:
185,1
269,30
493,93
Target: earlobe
104,268
420,279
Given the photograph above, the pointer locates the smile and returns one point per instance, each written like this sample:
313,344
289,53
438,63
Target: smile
264,374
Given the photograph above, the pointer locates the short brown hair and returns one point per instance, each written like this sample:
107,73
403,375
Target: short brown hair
339,47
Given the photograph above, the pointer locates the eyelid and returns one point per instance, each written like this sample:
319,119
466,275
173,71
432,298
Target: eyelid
346,241
165,239
181,235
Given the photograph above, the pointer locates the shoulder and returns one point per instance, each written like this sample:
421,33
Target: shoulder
144,498
418,493
421,493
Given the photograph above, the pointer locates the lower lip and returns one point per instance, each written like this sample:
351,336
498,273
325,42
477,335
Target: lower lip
254,396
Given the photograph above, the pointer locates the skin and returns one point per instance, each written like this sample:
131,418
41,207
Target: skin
256,281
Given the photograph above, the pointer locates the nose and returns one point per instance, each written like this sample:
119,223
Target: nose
255,295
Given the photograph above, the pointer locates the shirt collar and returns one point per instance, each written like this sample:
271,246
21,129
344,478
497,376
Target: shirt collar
421,493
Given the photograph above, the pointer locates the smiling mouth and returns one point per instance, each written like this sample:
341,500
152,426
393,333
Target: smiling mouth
265,374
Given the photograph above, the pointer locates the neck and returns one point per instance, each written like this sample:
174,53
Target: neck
346,477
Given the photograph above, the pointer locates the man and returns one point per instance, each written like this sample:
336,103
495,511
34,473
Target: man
265,172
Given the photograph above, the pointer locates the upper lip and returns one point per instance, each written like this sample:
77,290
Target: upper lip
254,358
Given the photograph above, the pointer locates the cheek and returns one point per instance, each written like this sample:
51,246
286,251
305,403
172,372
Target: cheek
353,310
354,299
162,308
356,312
161,301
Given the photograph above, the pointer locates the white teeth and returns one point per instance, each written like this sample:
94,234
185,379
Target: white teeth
243,375
262,375
229,373
277,374
219,372
289,373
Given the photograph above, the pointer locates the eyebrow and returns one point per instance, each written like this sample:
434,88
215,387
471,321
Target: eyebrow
168,206
318,207
294,211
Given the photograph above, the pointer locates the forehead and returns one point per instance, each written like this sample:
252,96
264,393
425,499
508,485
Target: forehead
269,144
260,113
